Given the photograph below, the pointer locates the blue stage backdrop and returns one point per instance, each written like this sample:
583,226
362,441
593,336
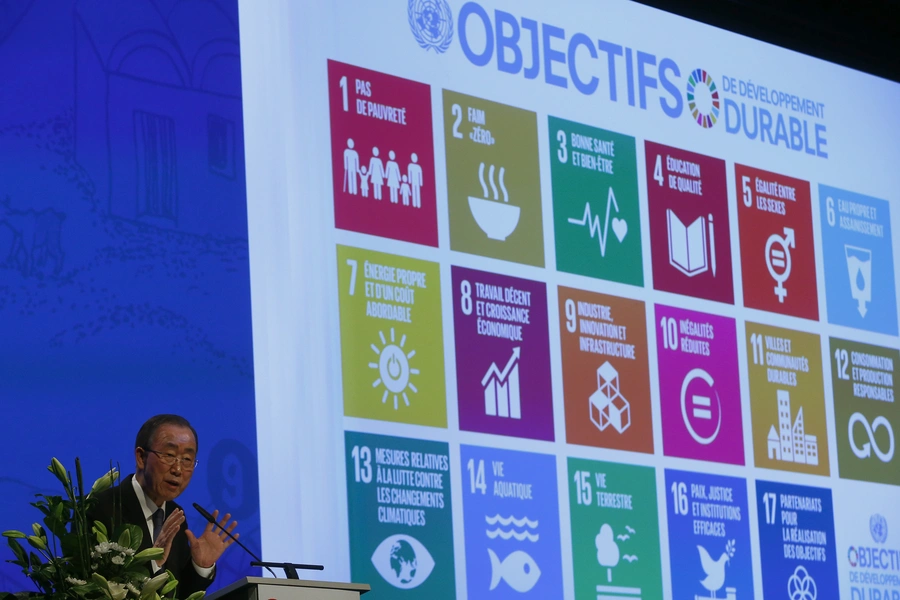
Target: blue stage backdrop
124,274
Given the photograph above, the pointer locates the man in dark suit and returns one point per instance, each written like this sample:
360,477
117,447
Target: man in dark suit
165,453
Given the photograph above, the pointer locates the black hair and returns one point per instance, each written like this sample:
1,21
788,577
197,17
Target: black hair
148,429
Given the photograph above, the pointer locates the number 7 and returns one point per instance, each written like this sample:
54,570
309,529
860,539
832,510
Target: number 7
353,264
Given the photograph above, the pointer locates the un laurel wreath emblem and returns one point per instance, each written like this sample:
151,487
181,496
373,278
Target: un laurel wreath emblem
431,23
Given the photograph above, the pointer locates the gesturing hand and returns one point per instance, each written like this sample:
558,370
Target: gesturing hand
167,534
206,549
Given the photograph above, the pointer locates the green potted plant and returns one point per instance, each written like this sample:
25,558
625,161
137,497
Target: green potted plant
74,558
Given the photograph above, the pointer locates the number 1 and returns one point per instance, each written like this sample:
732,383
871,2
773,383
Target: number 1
343,84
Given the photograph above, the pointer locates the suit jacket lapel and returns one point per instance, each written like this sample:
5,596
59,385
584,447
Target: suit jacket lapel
133,513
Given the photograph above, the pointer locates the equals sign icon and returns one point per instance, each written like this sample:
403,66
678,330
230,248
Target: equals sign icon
778,258
701,407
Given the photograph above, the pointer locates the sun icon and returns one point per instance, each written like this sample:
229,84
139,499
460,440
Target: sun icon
393,369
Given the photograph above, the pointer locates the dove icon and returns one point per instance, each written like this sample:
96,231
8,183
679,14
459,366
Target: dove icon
715,569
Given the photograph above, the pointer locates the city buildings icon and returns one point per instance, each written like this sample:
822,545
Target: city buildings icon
791,443
607,405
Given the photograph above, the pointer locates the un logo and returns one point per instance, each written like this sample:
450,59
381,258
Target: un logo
878,528
431,23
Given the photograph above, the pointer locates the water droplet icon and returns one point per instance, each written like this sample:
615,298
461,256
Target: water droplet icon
860,281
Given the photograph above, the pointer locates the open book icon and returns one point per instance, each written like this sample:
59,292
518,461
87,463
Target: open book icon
689,245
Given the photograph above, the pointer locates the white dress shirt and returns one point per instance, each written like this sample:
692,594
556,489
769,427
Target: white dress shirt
149,507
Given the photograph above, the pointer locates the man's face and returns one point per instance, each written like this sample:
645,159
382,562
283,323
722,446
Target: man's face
160,481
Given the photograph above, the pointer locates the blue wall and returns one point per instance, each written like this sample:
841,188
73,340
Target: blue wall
124,273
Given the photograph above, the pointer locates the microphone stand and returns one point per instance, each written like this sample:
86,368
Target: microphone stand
206,515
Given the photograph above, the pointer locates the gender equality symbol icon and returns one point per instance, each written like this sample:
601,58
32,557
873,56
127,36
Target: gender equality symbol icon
778,259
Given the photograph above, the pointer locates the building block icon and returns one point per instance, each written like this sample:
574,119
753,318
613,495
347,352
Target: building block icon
607,405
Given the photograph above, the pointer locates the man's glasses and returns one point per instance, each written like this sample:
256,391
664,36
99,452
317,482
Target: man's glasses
186,463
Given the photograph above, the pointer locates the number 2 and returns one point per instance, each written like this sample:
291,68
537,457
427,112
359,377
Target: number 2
457,112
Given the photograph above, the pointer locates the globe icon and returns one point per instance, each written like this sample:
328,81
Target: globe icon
403,561
430,19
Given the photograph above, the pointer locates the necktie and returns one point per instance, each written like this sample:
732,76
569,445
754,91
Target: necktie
159,518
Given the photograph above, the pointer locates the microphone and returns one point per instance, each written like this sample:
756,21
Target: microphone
206,515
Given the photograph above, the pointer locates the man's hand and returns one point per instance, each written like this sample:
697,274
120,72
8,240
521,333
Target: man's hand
206,549
167,534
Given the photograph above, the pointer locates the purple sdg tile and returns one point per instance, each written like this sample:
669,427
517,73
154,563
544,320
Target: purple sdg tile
502,355
700,392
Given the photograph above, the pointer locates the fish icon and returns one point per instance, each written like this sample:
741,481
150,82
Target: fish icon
518,570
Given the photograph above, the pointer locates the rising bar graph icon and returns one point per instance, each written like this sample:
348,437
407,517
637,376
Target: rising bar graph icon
501,389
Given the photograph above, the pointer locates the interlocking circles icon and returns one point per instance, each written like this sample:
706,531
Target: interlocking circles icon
801,586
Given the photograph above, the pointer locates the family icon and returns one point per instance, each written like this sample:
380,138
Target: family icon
359,177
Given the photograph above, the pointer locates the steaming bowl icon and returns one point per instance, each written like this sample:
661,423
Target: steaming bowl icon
496,219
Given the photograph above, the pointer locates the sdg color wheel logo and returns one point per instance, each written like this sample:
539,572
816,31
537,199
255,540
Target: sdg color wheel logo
703,98
431,23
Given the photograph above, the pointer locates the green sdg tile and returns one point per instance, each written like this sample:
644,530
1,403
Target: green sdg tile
596,213
615,531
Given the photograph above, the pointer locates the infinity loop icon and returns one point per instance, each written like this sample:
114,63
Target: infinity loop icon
871,446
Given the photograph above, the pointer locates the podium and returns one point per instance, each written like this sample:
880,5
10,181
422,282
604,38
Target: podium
264,588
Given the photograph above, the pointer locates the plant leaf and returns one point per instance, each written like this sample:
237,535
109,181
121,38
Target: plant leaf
153,585
37,542
34,560
137,536
59,471
19,551
101,583
104,482
173,583
98,526
12,533
148,554
196,595
125,538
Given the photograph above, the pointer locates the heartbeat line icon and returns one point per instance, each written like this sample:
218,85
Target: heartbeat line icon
620,226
